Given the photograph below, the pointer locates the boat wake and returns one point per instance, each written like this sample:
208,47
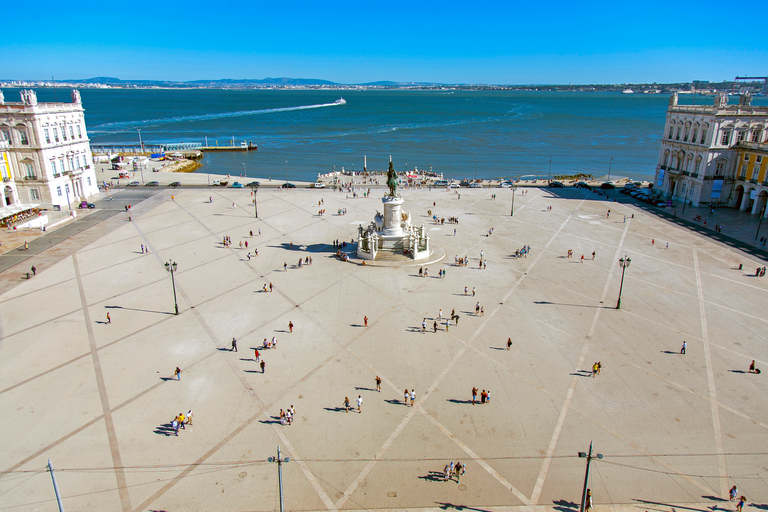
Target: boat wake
127,125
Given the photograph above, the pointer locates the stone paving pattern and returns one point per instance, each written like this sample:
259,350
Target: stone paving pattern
676,431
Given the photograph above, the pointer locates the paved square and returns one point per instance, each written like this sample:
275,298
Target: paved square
97,399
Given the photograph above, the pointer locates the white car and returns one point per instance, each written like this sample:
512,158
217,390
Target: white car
475,185
216,183
453,185
505,185
318,185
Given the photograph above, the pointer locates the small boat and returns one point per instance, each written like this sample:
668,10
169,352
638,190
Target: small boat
627,91
340,101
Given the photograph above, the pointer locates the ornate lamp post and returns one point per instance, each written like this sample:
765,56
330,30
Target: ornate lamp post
589,458
623,263
170,266
255,190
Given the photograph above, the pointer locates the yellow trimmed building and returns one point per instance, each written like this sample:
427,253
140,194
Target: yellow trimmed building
751,187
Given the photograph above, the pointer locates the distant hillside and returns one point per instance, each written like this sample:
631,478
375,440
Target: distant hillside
220,83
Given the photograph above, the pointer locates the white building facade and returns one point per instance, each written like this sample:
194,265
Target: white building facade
46,150
699,149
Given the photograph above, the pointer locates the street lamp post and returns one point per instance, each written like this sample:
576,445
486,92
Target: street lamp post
589,458
760,222
245,170
623,263
280,462
141,144
255,190
514,189
170,266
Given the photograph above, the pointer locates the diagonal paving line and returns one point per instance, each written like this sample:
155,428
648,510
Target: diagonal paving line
358,480
716,426
125,499
536,495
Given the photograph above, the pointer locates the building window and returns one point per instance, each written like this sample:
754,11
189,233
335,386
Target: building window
671,132
61,164
746,157
704,130
71,164
687,131
56,135
47,136
743,171
71,132
79,133
741,136
666,158
719,168
756,135
697,165
66,188
677,134
725,138
34,195
53,167
5,136
23,137
29,172
695,133
77,161
759,159
89,181
64,132
58,191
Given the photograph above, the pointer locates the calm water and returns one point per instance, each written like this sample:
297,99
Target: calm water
459,134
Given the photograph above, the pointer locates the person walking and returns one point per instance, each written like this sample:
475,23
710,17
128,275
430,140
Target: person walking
474,395
509,343
473,291
346,403
365,321
588,504
290,326
359,404
263,365
34,270
270,287
234,345
752,369
177,373
434,326
685,345
109,318
733,493
594,369
413,397
424,325
189,417
256,355
405,396
378,384
740,505
593,255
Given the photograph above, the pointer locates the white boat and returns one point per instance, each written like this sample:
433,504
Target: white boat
340,101
627,91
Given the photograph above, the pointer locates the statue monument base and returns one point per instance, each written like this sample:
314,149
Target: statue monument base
392,234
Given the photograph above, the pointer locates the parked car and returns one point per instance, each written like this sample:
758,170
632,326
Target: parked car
254,184
289,185
86,204
152,184
505,184
216,183
453,185
442,183
582,184
318,185
608,185
133,184
237,184
464,183
475,185
175,184
556,184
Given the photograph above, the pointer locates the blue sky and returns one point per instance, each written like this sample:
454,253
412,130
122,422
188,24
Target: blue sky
512,42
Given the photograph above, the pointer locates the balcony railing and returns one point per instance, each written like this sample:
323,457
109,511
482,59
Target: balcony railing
30,177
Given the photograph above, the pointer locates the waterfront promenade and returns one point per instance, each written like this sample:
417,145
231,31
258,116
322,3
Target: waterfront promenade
97,398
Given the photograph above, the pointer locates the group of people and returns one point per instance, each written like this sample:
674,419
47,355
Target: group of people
456,470
264,288
461,262
305,261
286,417
485,396
523,252
181,420
760,272
342,211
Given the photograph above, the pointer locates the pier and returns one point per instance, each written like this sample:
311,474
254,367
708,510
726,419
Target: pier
170,147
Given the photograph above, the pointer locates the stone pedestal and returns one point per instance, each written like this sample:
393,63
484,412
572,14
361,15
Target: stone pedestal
392,216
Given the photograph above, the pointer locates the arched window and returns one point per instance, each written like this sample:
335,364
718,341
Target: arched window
697,165
687,131
666,158
680,158
704,130
671,130
23,136
695,133
677,132
688,163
